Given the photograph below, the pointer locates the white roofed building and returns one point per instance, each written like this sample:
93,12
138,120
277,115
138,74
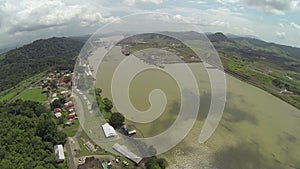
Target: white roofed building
122,149
109,130
59,153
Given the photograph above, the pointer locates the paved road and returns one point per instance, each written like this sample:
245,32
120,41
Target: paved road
72,162
72,143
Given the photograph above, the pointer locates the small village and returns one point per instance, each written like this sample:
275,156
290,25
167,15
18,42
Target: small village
58,87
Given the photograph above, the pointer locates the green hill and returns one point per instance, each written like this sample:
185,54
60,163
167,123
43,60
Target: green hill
41,55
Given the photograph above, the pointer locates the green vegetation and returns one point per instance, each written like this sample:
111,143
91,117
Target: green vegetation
27,136
108,104
84,151
261,64
156,163
2,56
33,95
71,130
40,56
8,94
116,120
159,41
105,110
56,104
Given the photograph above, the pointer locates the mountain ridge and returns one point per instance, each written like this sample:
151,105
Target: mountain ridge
39,56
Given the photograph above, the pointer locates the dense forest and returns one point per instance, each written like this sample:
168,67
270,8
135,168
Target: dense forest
41,55
27,136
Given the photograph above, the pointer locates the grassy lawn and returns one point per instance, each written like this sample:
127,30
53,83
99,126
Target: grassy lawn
2,56
8,96
33,95
10,93
71,130
84,151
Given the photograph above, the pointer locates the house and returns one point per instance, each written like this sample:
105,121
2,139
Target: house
123,150
57,110
70,122
45,90
71,110
61,81
51,75
59,153
52,100
71,116
54,95
68,102
57,115
68,105
109,130
64,92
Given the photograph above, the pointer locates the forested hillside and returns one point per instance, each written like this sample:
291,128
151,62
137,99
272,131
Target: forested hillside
27,136
39,56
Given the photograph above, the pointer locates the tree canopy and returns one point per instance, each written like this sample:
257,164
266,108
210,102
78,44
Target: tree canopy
27,136
156,163
116,120
108,104
39,56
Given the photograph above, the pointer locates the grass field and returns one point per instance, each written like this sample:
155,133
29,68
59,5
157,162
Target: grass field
2,56
12,92
33,95
71,130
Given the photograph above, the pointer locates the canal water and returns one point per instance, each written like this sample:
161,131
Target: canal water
257,131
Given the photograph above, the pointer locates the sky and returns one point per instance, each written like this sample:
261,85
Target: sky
23,21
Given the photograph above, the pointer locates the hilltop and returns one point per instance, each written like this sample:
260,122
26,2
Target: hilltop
42,55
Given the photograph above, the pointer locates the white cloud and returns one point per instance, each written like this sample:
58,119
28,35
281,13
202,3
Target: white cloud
33,15
274,6
277,7
24,21
197,2
228,1
134,2
281,35
244,30
219,23
281,25
295,25
34,19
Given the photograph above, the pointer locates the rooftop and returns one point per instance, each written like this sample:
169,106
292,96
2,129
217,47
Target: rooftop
122,149
109,131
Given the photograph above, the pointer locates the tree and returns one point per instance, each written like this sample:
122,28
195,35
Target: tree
53,83
39,109
56,104
108,104
156,163
28,138
60,137
116,120
98,91
46,129
162,163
